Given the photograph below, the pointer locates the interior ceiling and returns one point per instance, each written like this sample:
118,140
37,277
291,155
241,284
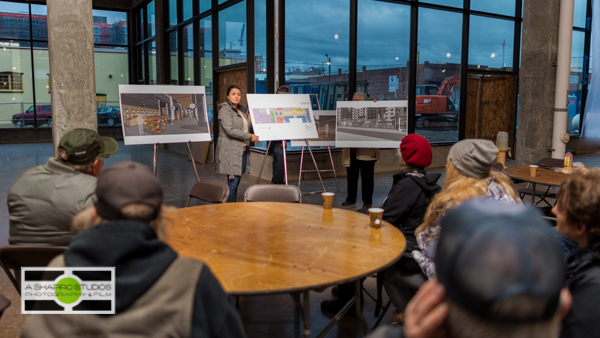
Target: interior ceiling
143,100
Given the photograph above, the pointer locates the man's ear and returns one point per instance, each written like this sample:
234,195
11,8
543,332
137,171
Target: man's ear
566,300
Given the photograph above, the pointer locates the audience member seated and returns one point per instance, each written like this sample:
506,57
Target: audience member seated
577,213
468,175
404,207
158,294
44,199
501,274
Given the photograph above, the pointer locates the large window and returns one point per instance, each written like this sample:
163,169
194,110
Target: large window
438,74
232,34
382,64
316,49
491,43
580,65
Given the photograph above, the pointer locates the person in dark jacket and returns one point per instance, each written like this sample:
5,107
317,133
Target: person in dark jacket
577,213
158,294
404,207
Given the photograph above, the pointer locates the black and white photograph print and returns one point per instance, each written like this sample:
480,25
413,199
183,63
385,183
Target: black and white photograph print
163,114
367,124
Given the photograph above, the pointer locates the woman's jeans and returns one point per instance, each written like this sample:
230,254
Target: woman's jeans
233,181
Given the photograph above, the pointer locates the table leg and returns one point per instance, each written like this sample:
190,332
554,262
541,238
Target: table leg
358,290
297,311
306,307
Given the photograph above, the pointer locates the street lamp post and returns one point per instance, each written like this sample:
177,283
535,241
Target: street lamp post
329,64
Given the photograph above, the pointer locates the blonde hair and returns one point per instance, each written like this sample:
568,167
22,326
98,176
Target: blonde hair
459,188
84,219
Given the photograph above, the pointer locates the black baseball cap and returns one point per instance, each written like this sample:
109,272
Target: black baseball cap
490,251
85,145
125,183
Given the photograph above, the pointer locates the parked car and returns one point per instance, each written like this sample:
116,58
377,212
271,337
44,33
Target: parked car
110,116
43,112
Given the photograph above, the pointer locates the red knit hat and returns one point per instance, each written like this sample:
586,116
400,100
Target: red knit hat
416,151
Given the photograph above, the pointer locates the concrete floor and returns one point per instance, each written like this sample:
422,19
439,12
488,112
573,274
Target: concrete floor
263,316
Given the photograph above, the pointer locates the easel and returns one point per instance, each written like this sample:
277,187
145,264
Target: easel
155,159
283,143
317,170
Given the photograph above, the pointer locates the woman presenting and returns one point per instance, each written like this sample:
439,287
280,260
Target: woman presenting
233,144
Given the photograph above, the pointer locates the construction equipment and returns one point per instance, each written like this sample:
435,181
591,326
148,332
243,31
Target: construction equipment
438,111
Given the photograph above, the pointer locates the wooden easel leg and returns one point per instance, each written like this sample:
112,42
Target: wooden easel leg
283,143
333,168
316,167
193,161
301,161
263,162
155,158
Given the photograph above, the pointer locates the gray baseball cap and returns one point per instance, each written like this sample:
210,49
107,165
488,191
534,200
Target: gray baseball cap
474,157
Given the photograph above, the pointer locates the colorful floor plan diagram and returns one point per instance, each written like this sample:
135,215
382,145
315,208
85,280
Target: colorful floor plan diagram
281,115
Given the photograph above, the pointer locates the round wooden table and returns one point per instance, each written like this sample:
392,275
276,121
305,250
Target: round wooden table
544,176
263,248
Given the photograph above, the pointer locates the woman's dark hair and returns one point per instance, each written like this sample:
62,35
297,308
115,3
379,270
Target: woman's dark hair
233,87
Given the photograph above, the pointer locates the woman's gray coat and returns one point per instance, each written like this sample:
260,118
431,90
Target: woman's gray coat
230,144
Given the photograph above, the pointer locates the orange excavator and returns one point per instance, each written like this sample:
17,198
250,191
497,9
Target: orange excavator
438,111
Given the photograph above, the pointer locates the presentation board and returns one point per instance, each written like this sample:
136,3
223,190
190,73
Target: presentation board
163,114
325,122
282,116
368,124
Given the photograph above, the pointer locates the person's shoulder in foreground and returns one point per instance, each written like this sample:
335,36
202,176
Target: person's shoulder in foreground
577,212
157,293
44,199
500,271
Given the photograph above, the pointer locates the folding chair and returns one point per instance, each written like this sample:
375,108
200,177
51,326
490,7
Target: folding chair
209,191
273,193
16,256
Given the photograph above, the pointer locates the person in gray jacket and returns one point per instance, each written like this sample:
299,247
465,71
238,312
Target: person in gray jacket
233,143
44,199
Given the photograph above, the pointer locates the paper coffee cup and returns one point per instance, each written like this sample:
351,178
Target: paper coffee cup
533,170
376,216
327,200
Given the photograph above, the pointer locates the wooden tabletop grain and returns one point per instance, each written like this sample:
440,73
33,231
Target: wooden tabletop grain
544,176
255,248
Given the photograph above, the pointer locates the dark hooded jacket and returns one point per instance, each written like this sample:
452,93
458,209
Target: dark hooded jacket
583,280
140,260
407,202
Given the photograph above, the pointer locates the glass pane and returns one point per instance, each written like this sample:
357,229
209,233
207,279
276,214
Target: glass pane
380,60
188,55
232,34
141,33
111,66
187,9
450,3
206,63
141,65
173,12
505,7
151,19
205,5
316,49
491,43
579,13
152,63
438,74
110,27
222,1
42,83
39,22
14,20
260,46
576,81
173,56
16,90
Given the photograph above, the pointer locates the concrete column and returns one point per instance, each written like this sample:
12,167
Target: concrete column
537,80
72,77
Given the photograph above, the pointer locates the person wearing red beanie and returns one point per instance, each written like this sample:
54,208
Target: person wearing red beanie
405,207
